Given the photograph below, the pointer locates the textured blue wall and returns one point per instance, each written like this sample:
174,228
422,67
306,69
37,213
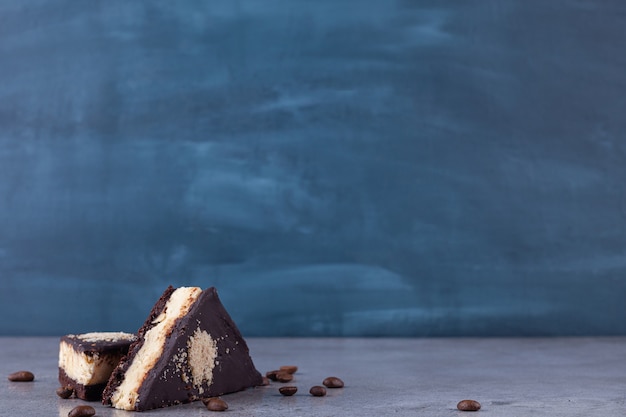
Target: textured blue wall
334,167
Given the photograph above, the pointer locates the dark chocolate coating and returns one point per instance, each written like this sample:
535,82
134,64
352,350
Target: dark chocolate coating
84,392
234,369
101,346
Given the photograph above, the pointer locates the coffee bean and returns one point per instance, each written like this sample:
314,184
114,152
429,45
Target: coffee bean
21,376
288,391
82,411
290,369
266,381
468,405
205,400
65,392
272,374
333,382
216,404
317,391
284,377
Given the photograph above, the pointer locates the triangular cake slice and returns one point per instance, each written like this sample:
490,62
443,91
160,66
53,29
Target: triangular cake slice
189,348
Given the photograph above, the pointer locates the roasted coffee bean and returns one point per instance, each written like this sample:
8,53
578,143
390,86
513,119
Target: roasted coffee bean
288,391
21,376
216,404
333,382
205,400
65,392
272,374
290,369
317,391
266,381
468,405
82,411
284,377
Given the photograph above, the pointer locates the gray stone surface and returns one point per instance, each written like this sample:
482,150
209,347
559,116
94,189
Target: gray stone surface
397,377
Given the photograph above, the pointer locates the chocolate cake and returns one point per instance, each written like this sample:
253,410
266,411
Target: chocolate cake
188,348
87,360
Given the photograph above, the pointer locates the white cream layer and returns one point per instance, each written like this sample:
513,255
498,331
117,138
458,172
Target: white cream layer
125,396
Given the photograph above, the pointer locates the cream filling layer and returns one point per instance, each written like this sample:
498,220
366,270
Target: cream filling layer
90,369
125,396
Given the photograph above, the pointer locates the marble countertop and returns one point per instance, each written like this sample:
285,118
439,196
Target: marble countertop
399,377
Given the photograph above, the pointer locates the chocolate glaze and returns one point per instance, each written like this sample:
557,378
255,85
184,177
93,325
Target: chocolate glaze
163,385
84,392
101,346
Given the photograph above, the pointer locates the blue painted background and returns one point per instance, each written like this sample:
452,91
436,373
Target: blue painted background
404,168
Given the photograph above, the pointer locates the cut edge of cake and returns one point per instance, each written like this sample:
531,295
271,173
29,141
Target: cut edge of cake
87,360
